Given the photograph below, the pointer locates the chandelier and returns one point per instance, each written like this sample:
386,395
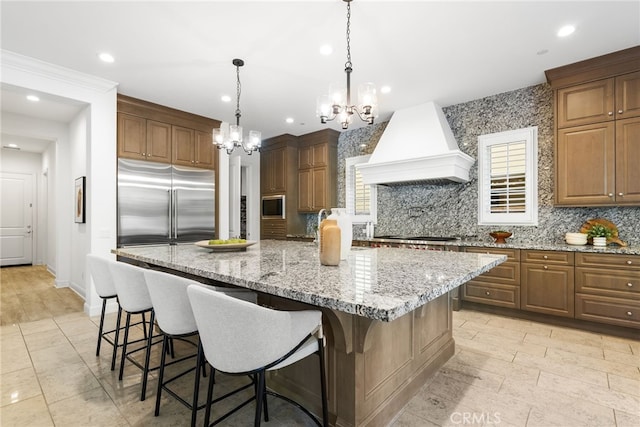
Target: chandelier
229,136
337,103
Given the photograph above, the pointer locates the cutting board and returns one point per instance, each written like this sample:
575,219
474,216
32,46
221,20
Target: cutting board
591,222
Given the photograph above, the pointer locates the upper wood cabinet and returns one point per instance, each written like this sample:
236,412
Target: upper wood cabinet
143,139
148,131
317,170
273,177
193,148
597,150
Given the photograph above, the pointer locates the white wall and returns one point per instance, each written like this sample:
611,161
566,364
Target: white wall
49,229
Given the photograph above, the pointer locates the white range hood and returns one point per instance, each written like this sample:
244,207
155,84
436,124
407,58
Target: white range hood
417,146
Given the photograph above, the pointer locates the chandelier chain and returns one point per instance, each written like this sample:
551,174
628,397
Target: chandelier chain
238,91
348,64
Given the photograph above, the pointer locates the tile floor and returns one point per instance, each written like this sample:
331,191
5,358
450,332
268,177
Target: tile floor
505,372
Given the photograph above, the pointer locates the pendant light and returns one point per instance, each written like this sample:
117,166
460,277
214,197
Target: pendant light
228,136
337,103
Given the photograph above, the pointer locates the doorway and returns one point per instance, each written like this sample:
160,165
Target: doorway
16,218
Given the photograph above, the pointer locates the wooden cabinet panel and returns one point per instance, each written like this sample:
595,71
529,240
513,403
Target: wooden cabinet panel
498,295
548,257
305,158
183,148
206,155
132,136
320,183
158,141
585,165
608,282
547,289
273,229
602,309
628,95
617,261
305,189
320,155
586,103
628,161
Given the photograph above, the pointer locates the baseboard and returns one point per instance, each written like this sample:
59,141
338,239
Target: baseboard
95,310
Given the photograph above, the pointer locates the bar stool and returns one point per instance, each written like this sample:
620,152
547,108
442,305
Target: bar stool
134,299
240,338
175,319
105,288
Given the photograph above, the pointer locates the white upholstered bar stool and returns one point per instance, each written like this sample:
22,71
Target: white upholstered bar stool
99,270
241,338
134,299
175,319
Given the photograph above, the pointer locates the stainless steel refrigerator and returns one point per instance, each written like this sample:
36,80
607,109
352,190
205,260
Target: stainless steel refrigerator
164,204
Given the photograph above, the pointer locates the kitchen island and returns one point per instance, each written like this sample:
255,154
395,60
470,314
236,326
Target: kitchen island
387,314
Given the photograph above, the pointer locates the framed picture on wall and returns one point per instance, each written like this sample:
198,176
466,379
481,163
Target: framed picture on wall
79,199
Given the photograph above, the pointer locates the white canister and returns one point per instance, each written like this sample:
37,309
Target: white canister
346,230
599,241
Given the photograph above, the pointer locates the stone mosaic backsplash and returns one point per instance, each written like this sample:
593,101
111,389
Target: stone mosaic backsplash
452,209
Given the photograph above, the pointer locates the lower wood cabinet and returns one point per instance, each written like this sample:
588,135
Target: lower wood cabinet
273,229
547,282
499,286
608,288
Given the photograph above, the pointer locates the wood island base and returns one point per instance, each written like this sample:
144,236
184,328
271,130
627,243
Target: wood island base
374,368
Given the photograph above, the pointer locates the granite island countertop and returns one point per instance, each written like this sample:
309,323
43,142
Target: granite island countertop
377,283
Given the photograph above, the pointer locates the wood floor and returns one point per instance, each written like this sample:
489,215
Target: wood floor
28,293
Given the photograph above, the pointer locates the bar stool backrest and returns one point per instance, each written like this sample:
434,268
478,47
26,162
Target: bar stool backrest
170,302
238,336
99,270
133,294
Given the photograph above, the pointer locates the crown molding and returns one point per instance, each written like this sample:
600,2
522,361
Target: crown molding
14,61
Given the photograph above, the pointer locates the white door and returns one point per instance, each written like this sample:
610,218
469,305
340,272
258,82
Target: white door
16,218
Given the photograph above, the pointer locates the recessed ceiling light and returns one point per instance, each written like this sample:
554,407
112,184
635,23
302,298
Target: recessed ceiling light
326,49
225,98
385,89
566,30
289,120
542,52
33,98
106,57
12,145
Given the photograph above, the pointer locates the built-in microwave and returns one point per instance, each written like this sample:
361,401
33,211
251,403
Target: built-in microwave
273,207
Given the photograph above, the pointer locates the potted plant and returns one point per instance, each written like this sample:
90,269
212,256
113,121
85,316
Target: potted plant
599,234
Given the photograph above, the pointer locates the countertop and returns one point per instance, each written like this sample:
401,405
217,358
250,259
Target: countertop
377,283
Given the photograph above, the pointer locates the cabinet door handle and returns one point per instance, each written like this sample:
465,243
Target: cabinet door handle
620,111
610,194
545,267
630,285
629,262
487,293
620,194
629,313
545,257
611,113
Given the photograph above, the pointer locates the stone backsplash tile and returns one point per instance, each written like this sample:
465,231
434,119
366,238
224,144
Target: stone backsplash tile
452,209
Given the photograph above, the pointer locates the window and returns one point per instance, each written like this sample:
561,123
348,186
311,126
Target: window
361,198
508,177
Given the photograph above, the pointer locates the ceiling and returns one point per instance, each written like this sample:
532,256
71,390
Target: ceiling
179,53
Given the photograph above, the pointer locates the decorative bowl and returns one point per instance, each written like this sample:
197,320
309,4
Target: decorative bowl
500,236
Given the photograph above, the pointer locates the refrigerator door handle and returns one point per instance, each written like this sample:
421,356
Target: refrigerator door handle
175,214
169,216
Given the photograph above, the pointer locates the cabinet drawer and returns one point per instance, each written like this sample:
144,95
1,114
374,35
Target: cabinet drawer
548,257
616,311
274,229
507,273
615,283
627,262
500,295
512,254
